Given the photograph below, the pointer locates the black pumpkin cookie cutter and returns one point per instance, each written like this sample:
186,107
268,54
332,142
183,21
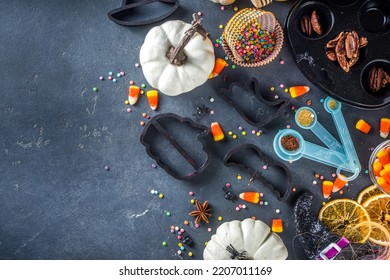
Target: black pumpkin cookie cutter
158,127
257,173
118,15
252,86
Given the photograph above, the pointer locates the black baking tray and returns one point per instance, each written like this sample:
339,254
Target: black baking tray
370,19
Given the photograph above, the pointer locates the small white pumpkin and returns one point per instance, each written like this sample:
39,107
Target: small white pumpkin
252,236
224,2
164,75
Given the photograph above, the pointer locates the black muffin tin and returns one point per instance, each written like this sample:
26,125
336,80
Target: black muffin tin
370,19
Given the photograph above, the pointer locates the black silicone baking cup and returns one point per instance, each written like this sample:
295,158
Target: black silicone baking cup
161,128
257,172
370,19
271,109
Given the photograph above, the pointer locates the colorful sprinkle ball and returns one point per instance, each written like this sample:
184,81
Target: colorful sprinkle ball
277,210
142,123
101,78
239,177
235,9
220,218
190,254
223,8
110,78
209,229
94,89
281,61
118,75
197,225
107,168
110,73
164,243
121,73
199,13
161,195
154,165
228,185
114,80
211,99
137,65
192,201
128,110
186,222
191,193
254,44
167,213
127,102
131,82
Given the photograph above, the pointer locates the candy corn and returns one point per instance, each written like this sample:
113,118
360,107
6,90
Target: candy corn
338,184
152,98
385,174
327,187
298,91
277,225
253,197
217,132
133,94
377,167
384,127
383,156
218,67
383,183
363,126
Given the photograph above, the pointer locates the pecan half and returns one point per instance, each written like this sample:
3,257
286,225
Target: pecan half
377,79
353,48
351,45
363,42
331,55
332,43
341,53
315,23
306,26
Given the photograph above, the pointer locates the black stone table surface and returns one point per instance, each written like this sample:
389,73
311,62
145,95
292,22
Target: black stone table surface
57,136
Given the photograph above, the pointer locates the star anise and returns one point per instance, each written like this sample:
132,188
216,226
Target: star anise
202,212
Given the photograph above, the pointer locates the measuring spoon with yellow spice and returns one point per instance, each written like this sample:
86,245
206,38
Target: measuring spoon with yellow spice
306,118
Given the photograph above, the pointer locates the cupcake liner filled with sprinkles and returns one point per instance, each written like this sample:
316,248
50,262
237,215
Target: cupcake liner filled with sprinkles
252,38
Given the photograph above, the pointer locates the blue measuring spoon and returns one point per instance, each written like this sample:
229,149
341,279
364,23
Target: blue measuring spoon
320,131
309,150
334,108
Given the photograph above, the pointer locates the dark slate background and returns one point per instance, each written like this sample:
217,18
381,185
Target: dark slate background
57,135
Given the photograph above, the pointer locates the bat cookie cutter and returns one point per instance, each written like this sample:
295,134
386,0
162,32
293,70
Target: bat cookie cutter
235,158
258,116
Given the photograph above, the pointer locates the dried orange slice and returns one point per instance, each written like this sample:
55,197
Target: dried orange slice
346,217
368,193
378,207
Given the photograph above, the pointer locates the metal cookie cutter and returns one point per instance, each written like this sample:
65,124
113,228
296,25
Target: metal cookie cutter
168,138
235,157
260,114
120,15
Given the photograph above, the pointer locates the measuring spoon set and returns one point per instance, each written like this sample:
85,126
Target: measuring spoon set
341,156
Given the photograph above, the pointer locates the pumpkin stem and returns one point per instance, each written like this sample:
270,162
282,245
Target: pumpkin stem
176,54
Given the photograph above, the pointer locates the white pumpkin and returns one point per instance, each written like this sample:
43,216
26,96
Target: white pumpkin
252,236
224,2
172,79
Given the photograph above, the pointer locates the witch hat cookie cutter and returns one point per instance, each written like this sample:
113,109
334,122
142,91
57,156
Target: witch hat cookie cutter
235,158
169,138
260,114
120,15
